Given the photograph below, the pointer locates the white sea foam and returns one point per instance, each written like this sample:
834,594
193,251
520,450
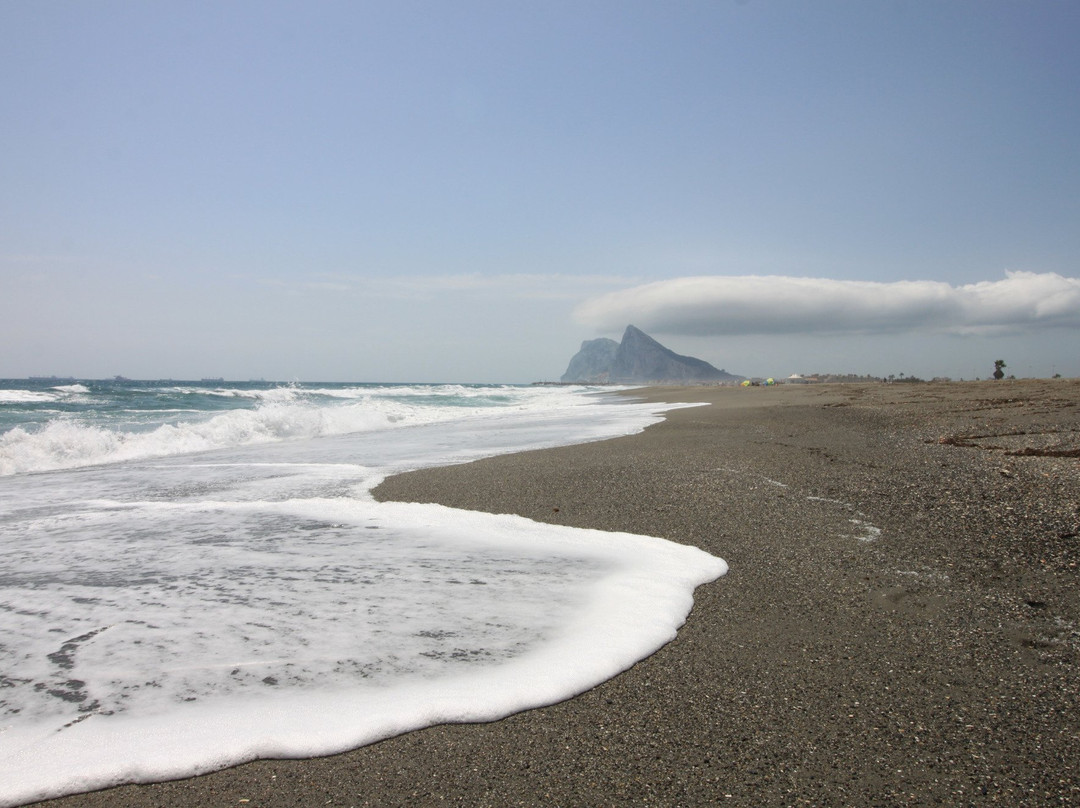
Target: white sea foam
282,413
392,617
285,393
174,616
27,396
58,393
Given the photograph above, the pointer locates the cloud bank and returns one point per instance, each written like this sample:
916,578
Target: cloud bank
776,304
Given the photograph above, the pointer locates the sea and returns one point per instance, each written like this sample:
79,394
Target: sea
196,574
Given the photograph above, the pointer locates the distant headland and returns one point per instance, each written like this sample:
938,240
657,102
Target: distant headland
638,359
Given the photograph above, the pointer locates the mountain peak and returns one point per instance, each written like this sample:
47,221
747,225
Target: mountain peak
638,359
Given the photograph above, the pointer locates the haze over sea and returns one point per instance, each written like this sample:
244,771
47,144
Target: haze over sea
196,574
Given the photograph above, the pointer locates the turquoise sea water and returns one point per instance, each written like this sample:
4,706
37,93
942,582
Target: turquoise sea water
48,423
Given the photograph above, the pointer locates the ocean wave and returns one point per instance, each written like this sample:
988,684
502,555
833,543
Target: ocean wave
188,597
255,394
282,414
67,392
70,443
27,396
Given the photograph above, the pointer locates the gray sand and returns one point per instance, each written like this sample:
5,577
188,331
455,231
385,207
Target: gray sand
900,625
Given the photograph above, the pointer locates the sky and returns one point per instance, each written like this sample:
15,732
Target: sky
431,191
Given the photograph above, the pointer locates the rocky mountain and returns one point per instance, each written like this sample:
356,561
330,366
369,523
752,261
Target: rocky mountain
638,359
593,361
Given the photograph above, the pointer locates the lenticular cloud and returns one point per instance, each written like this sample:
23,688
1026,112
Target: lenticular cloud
777,304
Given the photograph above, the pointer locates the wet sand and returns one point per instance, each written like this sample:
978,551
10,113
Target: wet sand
900,624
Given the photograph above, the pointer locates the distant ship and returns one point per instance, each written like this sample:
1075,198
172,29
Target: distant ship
52,378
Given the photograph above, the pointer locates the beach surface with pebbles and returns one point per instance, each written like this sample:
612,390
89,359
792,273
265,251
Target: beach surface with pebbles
900,623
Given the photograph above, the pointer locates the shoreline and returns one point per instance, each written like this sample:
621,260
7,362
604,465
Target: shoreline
899,622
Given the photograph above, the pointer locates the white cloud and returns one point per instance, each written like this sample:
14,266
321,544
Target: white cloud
776,304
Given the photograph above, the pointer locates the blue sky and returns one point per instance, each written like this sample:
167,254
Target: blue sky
466,191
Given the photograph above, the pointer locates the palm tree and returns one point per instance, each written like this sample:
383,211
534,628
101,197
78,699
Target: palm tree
999,368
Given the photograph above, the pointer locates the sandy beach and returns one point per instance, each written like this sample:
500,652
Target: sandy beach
900,623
